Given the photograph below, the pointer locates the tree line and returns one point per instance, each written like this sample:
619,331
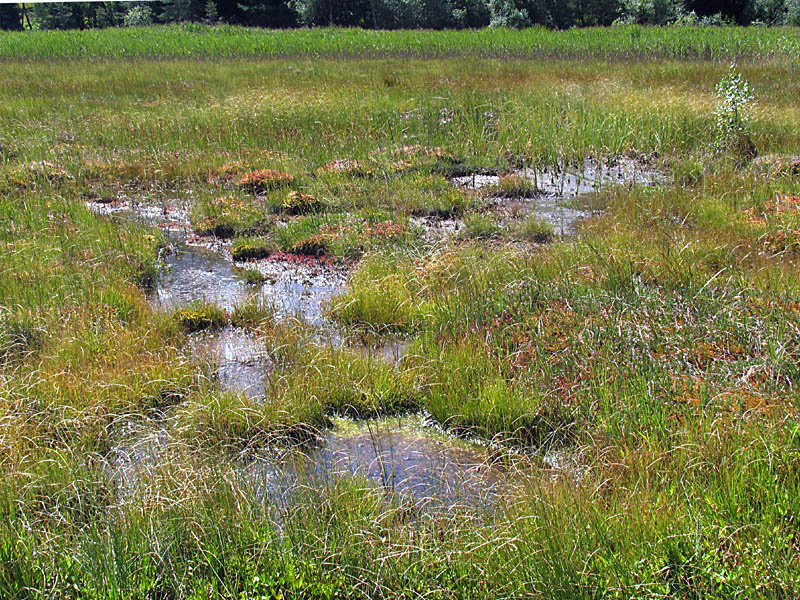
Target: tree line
400,14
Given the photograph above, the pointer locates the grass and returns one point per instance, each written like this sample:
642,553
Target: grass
656,349
199,41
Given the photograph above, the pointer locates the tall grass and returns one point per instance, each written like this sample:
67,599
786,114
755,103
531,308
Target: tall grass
199,41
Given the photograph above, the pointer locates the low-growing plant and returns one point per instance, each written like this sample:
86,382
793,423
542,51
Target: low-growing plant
481,226
513,186
201,315
229,215
253,276
253,312
377,298
298,203
533,229
262,180
249,248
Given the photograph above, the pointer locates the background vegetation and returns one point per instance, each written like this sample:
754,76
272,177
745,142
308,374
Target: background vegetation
401,14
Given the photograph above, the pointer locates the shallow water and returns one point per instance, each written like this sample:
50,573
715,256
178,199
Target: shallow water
401,456
240,362
558,187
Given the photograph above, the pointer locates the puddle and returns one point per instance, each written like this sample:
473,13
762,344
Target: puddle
170,215
192,272
198,269
137,457
299,287
556,186
401,456
239,362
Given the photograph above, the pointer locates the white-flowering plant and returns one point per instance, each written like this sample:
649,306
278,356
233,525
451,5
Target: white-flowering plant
733,112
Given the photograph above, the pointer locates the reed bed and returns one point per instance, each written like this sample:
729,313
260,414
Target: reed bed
202,42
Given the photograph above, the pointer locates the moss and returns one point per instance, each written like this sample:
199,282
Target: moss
298,203
200,316
262,180
251,248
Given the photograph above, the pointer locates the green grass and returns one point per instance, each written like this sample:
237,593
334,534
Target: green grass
656,349
198,41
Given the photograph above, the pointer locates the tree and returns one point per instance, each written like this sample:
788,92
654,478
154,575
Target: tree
259,13
10,17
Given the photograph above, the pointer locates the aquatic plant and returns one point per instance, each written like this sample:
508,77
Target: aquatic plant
253,276
514,186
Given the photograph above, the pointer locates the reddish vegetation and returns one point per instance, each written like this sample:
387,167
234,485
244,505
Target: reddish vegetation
347,166
302,260
777,212
264,179
385,229
783,205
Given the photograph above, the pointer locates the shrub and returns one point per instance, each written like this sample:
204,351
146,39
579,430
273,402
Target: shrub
733,116
138,15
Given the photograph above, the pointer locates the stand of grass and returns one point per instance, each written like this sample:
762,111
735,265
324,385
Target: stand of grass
192,41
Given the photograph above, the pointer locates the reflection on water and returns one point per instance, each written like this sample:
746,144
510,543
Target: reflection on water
556,186
239,361
401,456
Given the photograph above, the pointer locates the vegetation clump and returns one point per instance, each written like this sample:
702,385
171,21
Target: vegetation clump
251,248
481,226
200,316
298,203
514,186
346,166
253,276
262,180
229,215
534,229
253,313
